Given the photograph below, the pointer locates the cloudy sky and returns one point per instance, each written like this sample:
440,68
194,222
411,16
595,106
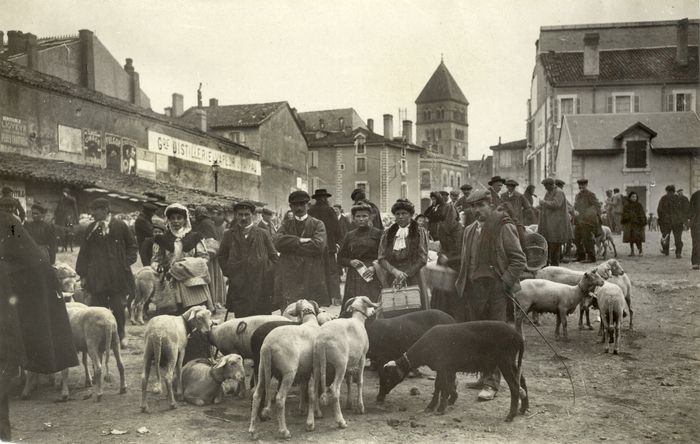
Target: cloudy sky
374,56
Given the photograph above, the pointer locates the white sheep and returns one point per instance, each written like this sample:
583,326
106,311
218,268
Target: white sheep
202,379
612,306
146,280
165,342
233,336
343,344
544,296
622,280
287,353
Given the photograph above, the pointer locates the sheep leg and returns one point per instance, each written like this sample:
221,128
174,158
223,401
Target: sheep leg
147,353
453,390
340,369
254,412
510,373
120,364
303,397
562,315
629,306
96,358
349,404
524,395
169,375
556,329
360,386
311,390
436,393
444,392
180,394
280,400
604,327
616,350
88,378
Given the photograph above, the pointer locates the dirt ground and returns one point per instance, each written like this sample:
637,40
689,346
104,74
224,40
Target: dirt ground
649,393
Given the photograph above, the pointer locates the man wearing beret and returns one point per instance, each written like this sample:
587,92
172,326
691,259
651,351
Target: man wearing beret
671,219
322,211
586,222
43,233
247,256
490,267
143,228
495,185
302,243
104,261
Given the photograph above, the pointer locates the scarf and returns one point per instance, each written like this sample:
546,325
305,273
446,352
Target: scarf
181,240
411,241
400,239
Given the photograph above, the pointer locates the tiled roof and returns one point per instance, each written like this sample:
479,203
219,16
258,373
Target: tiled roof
49,42
330,117
514,145
593,132
38,79
332,138
249,115
441,86
67,173
647,64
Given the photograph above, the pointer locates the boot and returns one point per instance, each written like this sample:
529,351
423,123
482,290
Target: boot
641,251
631,250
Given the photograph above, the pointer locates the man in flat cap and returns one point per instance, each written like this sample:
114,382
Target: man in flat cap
302,243
143,228
461,202
554,223
322,211
491,263
586,222
358,197
495,185
570,225
43,233
247,258
266,222
104,262
12,204
516,205
671,220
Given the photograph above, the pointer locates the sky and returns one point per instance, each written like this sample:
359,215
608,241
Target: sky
374,56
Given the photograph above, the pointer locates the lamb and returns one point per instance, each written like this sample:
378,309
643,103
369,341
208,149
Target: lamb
479,346
543,296
165,341
146,284
343,344
201,379
612,305
287,354
389,338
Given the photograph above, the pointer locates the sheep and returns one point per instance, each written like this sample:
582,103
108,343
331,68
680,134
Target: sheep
478,346
543,296
202,379
389,338
287,354
612,305
622,280
146,284
343,344
165,342
234,335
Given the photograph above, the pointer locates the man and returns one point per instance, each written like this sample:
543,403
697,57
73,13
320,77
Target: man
586,222
495,185
43,233
491,263
461,203
618,202
159,228
569,227
517,205
358,197
694,223
301,242
454,197
143,228
13,204
247,257
104,261
322,211
554,220
219,218
671,220
685,204
66,214
343,221
266,222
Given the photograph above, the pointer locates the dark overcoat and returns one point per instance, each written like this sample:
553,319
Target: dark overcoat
143,229
44,235
634,222
323,212
554,219
671,211
520,207
588,207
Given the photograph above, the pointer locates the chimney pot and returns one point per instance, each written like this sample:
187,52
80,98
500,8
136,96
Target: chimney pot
15,42
178,105
370,125
591,57
682,42
213,103
168,111
388,126
408,131
2,39
321,124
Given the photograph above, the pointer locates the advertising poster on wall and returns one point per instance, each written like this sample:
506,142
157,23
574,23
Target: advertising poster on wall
129,156
145,163
92,144
70,139
13,131
113,149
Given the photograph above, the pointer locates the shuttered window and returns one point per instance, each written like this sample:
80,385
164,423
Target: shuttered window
636,154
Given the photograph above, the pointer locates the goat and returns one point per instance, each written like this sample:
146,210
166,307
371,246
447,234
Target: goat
287,354
389,338
478,346
202,379
165,342
543,296
146,284
343,344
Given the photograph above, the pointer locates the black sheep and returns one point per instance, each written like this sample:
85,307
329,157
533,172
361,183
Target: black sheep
480,346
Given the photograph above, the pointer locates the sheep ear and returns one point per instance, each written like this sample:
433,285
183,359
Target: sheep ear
317,309
222,362
348,303
390,364
369,302
192,313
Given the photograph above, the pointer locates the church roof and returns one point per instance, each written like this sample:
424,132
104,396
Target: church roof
441,86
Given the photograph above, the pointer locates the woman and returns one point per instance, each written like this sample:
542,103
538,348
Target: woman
181,257
634,222
438,212
403,249
358,250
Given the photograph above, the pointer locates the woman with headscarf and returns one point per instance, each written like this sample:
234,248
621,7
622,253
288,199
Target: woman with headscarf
205,225
634,222
181,257
403,249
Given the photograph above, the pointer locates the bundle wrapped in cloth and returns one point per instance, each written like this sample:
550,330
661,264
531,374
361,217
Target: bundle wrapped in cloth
191,271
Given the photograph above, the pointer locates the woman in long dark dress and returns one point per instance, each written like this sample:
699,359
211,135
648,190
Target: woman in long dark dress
634,222
359,249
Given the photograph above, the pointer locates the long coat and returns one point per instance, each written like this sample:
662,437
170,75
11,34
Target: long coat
105,260
518,204
671,211
143,228
44,236
249,265
588,207
34,332
300,272
634,222
323,212
554,220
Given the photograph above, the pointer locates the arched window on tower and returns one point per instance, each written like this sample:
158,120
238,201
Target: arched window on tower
444,178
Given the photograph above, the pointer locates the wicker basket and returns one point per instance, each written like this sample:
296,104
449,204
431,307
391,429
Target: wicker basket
396,302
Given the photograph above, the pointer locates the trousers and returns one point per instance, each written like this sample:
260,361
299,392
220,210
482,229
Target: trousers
677,231
116,303
553,253
585,246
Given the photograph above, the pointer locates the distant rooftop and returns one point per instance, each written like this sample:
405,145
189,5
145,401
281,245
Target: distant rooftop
331,119
247,115
441,86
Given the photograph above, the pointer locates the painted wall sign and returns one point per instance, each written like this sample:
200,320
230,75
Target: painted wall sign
92,144
13,131
145,163
181,149
70,139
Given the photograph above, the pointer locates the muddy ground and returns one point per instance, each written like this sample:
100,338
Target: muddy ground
649,393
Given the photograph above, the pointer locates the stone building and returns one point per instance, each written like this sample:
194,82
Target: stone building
612,102
442,128
332,120
509,161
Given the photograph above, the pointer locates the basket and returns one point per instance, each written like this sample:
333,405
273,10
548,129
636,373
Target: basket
535,249
399,301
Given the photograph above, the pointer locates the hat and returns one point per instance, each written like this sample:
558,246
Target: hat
403,204
356,192
149,206
679,190
360,207
321,192
40,208
100,202
444,193
548,181
559,182
670,188
177,208
495,179
511,183
6,190
243,205
267,211
465,187
582,181
299,197
478,196
159,223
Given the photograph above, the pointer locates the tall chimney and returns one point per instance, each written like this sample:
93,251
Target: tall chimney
682,42
178,106
388,126
408,131
213,103
370,125
87,58
15,42
134,83
32,50
591,58
200,119
2,39
341,124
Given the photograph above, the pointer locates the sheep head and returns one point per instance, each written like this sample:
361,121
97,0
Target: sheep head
230,367
390,375
324,317
603,270
199,318
615,267
590,281
361,304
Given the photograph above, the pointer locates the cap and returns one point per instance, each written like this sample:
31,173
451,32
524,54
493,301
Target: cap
495,179
100,202
356,192
243,205
267,211
465,187
511,183
159,223
582,181
478,196
321,192
548,181
670,188
559,182
299,197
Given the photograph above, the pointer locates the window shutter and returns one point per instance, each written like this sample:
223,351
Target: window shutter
578,105
555,110
636,104
610,105
669,103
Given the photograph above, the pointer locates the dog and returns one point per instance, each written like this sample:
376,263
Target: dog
605,241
